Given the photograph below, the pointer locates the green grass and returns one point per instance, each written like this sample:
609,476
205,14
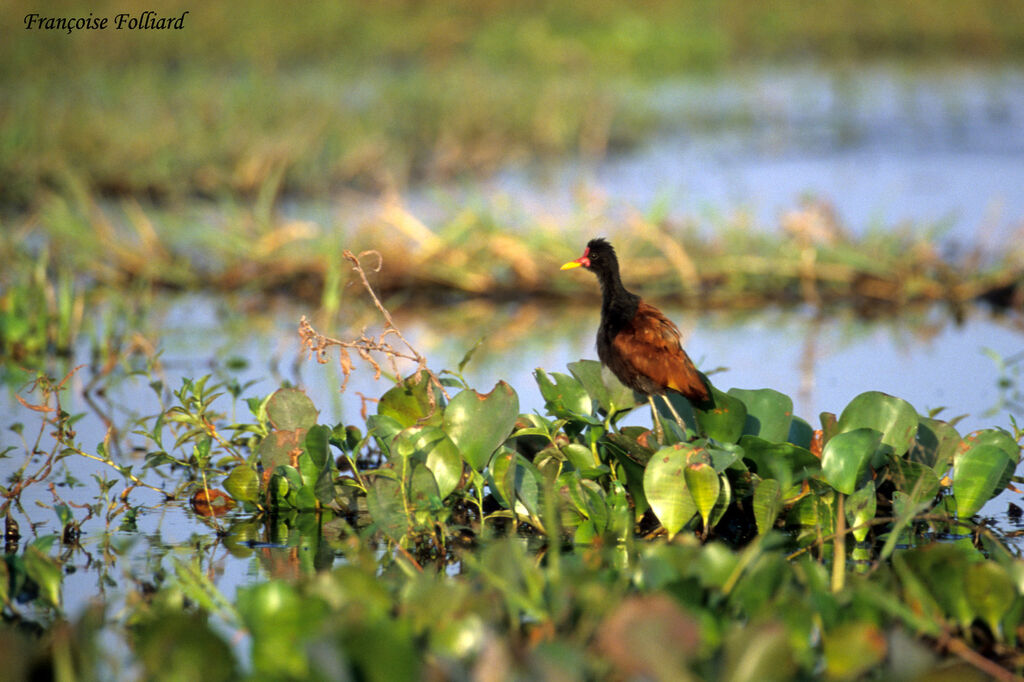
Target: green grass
383,94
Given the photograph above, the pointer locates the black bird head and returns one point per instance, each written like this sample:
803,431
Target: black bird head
599,257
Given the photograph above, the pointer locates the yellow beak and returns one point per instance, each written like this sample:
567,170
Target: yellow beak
570,265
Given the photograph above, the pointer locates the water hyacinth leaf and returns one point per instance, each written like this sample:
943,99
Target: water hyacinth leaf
724,456
424,494
976,473
409,402
384,502
501,477
208,657
289,409
317,440
603,386
800,433
935,445
445,463
892,417
990,592
566,397
852,649
589,500
383,429
722,503
529,485
631,447
45,572
915,479
860,510
759,654
1005,442
785,462
323,486
243,484
579,456
767,504
276,615
726,420
715,564
769,413
280,448
941,572
665,489
845,458
703,484
478,424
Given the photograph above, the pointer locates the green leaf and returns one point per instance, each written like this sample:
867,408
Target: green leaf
894,418
938,573
423,491
45,573
665,488
579,456
990,592
935,445
767,504
1005,442
589,499
384,502
317,439
501,477
289,409
243,484
566,398
845,458
408,403
726,420
800,433
323,487
529,485
860,510
703,484
769,413
276,449
759,653
852,649
603,386
785,462
198,653
914,479
976,473
441,457
478,424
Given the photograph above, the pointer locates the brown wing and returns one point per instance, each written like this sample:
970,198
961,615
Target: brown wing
651,347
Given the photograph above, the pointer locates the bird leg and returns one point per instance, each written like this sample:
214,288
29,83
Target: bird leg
659,433
679,420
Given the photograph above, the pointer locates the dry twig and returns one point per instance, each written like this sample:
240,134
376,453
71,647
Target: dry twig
390,342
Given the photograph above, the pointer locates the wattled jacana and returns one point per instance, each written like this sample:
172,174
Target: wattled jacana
636,341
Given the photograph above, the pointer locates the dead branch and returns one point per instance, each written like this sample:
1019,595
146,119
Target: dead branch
390,343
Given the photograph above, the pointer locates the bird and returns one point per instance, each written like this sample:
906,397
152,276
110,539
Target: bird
637,342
